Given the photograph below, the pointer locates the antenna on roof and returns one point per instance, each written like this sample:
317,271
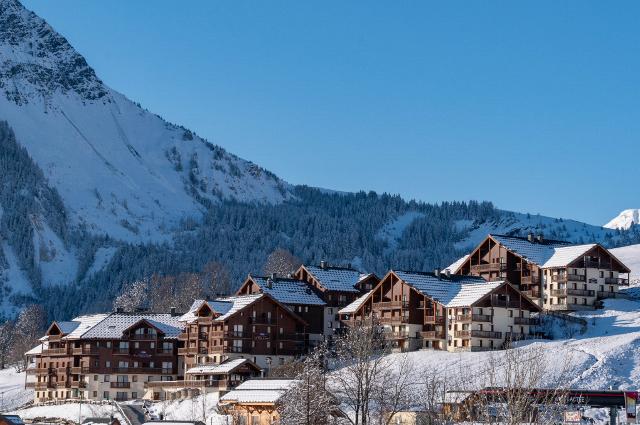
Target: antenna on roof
436,272
323,264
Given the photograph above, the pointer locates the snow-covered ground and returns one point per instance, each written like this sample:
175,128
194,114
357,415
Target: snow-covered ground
69,411
607,354
12,389
190,410
629,255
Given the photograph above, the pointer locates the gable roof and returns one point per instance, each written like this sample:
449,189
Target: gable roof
538,252
454,291
222,368
563,256
238,302
259,391
116,323
355,305
455,266
341,279
288,291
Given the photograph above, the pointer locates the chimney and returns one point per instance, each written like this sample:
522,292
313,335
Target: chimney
437,272
530,237
323,264
119,310
173,312
274,276
447,273
540,237
269,283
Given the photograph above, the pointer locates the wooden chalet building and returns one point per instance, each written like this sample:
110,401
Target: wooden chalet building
255,327
255,402
303,299
338,287
105,356
558,275
443,311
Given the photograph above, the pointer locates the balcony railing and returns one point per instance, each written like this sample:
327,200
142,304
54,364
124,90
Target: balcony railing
396,335
616,281
491,267
392,304
482,318
463,318
563,292
394,319
532,293
144,337
79,351
237,334
525,321
486,334
121,385
568,278
462,334
505,303
432,335
78,384
529,280
438,320
55,351
606,294
79,370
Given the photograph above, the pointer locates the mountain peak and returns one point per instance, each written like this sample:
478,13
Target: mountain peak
625,219
36,61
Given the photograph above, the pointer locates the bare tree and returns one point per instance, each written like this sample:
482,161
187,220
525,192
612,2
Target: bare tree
308,401
216,277
281,262
7,335
370,385
518,387
29,327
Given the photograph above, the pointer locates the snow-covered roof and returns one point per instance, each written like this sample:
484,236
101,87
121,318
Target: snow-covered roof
563,256
258,391
238,303
289,291
453,267
538,252
219,369
336,278
116,323
220,307
452,291
355,305
67,327
37,349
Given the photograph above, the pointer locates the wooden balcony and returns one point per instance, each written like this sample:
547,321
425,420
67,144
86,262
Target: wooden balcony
570,307
385,305
262,320
396,335
84,351
532,293
143,337
486,334
490,267
432,335
238,334
55,352
395,319
436,320
462,318
530,280
79,370
78,384
462,334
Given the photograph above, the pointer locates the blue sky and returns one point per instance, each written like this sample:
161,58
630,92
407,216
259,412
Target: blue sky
534,106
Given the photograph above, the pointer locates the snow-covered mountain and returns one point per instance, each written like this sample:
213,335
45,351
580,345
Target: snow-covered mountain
119,169
624,220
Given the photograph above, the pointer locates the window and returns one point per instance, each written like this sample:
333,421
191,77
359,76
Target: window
105,395
134,395
107,378
95,377
107,364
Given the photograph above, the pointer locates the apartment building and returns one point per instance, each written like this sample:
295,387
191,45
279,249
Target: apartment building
303,299
255,327
558,275
444,311
105,356
338,287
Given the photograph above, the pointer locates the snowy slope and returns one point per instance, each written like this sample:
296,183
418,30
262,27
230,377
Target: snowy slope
521,224
607,354
624,220
629,255
120,169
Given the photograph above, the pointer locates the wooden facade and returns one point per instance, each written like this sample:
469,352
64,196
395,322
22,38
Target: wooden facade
413,318
577,284
103,368
262,330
